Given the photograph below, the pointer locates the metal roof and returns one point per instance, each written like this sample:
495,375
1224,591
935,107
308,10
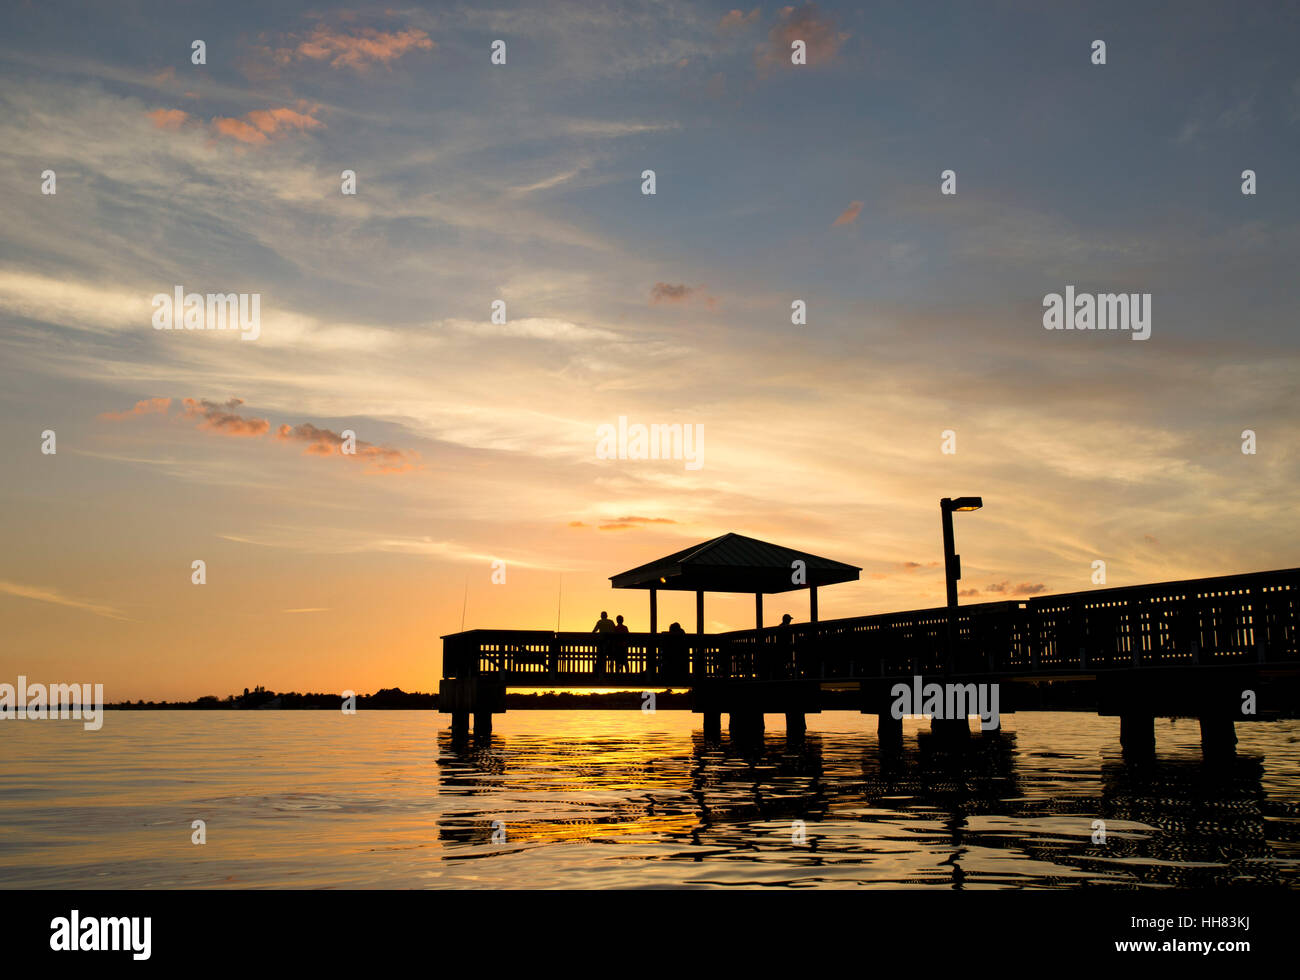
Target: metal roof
734,563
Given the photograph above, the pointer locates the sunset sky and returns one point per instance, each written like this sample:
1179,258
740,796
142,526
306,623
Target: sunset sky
522,182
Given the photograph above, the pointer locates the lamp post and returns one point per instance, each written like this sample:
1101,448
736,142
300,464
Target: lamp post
952,563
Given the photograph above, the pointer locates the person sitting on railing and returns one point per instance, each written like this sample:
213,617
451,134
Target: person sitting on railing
620,646
605,627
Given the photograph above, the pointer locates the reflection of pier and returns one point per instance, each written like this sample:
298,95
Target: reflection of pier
1220,649
976,807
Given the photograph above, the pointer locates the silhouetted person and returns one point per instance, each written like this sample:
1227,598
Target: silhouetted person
605,628
783,654
620,646
677,661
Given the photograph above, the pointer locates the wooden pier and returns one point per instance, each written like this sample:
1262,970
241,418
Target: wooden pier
1224,650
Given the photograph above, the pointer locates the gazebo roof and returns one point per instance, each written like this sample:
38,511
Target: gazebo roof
734,563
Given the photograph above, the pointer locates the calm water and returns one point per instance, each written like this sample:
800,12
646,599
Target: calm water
316,799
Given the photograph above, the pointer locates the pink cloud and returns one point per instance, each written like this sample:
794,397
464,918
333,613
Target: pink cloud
271,120
358,50
168,118
734,19
822,40
259,124
238,129
849,215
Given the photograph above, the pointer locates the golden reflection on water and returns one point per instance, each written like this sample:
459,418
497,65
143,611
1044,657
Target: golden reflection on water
627,799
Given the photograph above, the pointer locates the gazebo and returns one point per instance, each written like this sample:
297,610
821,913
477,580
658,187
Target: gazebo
735,563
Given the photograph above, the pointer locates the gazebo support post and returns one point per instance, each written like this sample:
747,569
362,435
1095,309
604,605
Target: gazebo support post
652,649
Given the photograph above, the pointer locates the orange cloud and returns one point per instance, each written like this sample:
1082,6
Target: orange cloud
259,124
149,406
238,129
849,215
735,19
911,566
805,24
168,118
357,50
324,442
272,120
222,418
623,523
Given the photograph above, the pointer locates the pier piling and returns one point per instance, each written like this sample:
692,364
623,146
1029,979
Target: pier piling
1218,737
1137,734
713,725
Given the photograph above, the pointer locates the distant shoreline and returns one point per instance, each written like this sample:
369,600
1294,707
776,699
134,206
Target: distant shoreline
395,699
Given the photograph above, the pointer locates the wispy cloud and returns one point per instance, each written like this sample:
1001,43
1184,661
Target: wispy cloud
57,598
357,49
1006,588
668,292
148,406
626,523
532,328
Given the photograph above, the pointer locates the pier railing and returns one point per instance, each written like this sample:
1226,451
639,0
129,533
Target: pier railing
1236,619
